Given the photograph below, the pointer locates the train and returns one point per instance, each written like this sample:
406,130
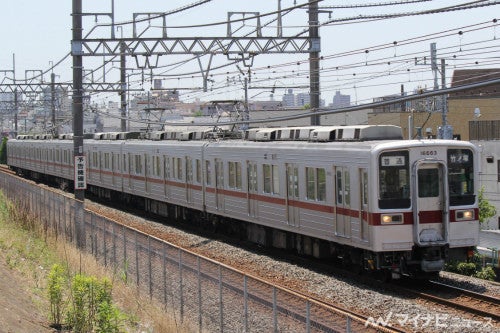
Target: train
361,195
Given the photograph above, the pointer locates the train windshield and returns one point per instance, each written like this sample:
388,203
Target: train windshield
394,180
461,177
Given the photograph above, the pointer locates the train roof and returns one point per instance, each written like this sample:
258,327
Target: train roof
298,133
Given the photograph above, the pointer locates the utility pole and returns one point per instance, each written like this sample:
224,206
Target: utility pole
80,167
314,60
123,92
445,131
53,102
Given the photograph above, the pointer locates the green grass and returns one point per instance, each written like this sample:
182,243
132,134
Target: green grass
32,251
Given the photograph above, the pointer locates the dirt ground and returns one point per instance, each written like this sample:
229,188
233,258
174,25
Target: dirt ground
19,312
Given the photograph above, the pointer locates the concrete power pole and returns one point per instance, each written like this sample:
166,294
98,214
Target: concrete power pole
80,165
53,102
314,61
123,92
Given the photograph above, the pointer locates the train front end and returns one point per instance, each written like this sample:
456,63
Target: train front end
427,206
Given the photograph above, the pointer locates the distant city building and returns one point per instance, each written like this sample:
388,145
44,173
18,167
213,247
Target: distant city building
303,99
341,101
289,98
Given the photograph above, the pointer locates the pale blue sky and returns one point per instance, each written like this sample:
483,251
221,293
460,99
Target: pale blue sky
39,33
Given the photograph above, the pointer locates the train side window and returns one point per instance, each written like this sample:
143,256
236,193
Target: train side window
316,183
177,165
235,175
95,161
106,161
138,164
271,179
208,170
189,169
166,167
252,177
198,171
340,193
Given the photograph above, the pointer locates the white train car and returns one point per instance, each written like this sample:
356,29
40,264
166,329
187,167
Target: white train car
359,193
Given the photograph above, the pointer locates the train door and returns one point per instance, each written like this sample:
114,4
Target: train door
430,211
189,180
219,184
253,203
363,212
293,210
343,202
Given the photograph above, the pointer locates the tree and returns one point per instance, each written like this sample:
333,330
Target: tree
486,210
3,151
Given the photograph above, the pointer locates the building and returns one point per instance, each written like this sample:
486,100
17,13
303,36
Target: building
289,98
341,101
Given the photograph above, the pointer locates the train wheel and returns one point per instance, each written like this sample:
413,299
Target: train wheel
383,275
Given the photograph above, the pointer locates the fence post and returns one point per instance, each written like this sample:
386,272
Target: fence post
180,286
150,273
164,270
275,311
125,261
199,293
136,260
114,244
221,305
245,302
308,316
105,245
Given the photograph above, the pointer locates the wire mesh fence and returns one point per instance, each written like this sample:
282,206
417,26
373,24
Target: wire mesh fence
202,292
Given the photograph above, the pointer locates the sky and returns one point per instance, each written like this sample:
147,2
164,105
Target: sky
365,59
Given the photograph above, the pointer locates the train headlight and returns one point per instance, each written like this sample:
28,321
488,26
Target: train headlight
464,215
391,218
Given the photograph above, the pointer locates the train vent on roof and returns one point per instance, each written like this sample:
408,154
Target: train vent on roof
279,133
356,133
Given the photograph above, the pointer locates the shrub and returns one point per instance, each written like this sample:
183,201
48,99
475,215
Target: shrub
466,268
487,273
56,285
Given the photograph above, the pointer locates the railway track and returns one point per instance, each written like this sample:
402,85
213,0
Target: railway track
484,306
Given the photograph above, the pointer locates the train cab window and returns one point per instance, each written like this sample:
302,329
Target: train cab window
461,177
394,180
